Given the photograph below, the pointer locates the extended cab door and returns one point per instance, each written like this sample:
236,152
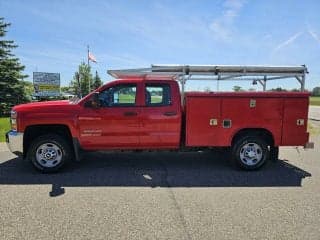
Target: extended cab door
116,123
161,115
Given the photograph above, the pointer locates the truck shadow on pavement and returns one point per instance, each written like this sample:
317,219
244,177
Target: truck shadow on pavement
153,169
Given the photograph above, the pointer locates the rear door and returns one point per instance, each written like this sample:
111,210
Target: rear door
160,116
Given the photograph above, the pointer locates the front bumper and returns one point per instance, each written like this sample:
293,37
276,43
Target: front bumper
14,141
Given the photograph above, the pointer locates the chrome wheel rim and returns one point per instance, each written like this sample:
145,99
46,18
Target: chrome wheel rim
251,154
49,155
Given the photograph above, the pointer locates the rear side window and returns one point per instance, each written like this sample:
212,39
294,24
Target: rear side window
157,95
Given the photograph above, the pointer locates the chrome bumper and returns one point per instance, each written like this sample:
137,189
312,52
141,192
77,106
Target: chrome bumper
14,141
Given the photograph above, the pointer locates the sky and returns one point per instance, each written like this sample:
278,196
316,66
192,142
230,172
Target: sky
53,35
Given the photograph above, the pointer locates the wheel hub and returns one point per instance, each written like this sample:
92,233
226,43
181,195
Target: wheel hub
251,154
49,155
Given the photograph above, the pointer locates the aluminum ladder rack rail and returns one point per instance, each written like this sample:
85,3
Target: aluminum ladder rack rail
182,73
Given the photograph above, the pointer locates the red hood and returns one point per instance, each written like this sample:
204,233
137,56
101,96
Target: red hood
62,104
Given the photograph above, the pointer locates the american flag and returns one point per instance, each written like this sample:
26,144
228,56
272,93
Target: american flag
91,57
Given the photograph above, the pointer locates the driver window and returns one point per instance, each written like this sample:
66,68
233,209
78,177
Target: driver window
120,95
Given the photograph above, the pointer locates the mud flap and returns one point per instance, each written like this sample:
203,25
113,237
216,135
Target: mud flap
76,149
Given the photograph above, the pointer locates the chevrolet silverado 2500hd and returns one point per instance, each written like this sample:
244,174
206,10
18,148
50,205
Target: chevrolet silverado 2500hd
148,113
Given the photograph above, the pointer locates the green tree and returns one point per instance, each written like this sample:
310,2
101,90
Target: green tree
237,89
96,81
278,89
11,77
84,77
66,89
295,90
316,91
28,89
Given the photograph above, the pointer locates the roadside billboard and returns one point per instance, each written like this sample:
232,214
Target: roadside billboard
46,84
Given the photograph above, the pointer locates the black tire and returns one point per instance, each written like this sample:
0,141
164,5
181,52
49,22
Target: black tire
274,153
49,153
250,152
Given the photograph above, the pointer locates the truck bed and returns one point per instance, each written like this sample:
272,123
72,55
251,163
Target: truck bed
213,119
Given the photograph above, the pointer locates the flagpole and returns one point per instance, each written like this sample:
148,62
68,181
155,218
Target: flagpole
89,87
88,55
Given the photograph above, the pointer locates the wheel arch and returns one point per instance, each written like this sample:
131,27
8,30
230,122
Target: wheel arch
259,132
33,131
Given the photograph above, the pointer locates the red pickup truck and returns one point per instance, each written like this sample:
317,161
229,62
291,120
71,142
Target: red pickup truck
149,114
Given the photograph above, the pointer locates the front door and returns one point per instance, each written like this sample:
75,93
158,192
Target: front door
116,123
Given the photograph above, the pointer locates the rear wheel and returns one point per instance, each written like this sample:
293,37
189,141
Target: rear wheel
48,153
250,152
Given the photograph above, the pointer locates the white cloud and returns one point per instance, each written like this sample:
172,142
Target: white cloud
294,37
314,35
286,42
223,25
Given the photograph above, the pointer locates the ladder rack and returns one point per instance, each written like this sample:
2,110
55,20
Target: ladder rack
182,73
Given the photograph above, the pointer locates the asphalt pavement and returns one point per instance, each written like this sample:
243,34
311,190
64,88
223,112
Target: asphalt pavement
162,195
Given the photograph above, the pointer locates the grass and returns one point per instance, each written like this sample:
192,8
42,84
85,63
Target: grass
4,127
127,98
313,129
315,101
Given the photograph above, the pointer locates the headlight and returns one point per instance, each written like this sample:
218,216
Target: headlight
13,118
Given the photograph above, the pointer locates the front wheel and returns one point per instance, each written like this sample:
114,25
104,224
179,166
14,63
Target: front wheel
48,153
250,152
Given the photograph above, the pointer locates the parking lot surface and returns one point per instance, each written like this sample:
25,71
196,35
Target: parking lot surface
162,195
314,113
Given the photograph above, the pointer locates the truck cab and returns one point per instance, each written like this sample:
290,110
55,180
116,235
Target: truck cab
131,114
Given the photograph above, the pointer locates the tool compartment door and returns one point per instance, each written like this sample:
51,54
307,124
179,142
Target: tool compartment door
203,121
294,129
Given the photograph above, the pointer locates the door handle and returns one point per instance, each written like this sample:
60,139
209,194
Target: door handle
170,113
129,114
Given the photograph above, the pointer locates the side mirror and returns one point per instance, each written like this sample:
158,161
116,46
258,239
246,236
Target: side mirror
93,102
